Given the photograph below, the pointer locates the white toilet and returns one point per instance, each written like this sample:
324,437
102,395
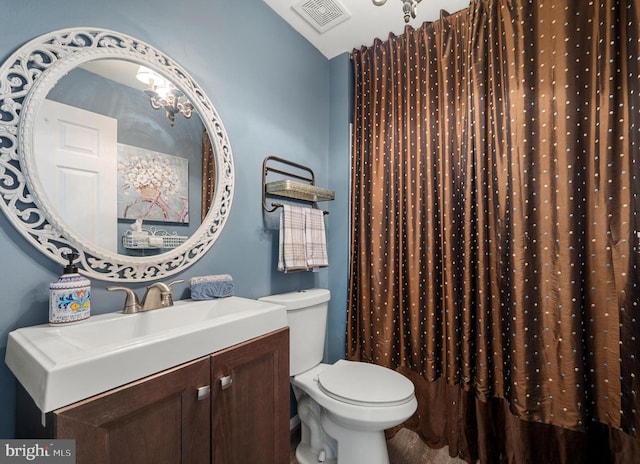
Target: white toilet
345,407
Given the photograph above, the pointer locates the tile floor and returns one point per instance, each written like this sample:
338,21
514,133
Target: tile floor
404,448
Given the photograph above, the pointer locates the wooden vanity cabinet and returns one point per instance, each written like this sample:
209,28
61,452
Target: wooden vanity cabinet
250,402
159,419
231,407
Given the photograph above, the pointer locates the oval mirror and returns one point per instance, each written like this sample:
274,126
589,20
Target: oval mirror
112,150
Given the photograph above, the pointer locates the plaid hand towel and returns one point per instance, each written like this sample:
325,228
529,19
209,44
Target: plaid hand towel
316,239
292,252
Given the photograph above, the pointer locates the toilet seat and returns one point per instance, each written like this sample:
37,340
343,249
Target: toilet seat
364,384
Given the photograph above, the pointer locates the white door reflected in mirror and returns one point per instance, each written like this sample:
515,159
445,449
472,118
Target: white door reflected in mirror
79,169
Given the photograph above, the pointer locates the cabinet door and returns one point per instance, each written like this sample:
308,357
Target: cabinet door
250,394
164,418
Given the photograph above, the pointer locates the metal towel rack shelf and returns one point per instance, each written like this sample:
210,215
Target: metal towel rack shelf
288,188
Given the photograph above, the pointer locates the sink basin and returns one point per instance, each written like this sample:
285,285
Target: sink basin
59,365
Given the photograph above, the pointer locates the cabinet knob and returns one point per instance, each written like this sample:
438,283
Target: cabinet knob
203,392
225,382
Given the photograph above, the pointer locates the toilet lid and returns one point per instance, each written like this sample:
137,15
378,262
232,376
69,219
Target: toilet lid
365,384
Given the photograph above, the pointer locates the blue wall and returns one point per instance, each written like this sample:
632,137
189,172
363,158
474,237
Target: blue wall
276,95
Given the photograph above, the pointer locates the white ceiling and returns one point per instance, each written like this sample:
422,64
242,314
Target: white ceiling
365,23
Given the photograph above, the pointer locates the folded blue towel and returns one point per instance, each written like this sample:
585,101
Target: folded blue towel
211,286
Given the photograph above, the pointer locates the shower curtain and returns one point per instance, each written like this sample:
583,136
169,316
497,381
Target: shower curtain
495,202
208,175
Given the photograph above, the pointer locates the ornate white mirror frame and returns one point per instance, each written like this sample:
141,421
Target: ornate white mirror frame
26,78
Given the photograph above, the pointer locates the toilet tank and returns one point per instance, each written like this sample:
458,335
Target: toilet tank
307,320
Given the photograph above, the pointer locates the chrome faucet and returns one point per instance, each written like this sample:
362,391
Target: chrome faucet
158,295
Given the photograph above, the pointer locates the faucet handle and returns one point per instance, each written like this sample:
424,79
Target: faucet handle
178,281
131,302
165,288
165,291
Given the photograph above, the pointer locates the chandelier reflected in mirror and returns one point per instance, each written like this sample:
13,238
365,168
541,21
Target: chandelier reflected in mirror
409,7
164,95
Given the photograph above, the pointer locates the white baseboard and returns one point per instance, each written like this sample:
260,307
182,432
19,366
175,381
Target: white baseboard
294,422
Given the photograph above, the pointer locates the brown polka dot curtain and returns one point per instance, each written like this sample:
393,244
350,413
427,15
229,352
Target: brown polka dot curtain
495,209
208,175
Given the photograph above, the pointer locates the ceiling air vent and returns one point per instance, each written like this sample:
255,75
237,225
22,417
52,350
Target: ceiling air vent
322,14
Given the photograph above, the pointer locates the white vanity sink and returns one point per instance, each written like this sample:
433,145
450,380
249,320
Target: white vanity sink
59,365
